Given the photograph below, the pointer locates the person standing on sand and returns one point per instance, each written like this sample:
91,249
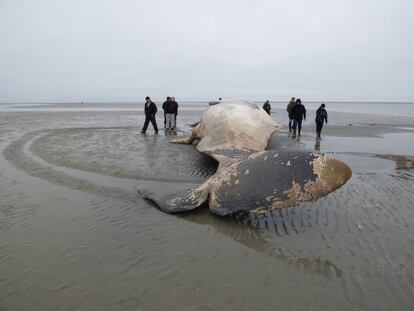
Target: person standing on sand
267,107
169,111
175,105
321,116
298,114
163,108
289,108
150,111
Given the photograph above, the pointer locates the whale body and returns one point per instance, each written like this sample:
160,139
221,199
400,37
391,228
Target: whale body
249,178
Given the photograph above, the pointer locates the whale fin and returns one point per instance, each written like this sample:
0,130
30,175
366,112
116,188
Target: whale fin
274,179
182,201
187,139
183,140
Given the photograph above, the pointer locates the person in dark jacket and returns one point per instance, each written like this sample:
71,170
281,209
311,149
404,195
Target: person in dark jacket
150,111
321,116
289,108
298,114
170,111
267,107
175,111
163,108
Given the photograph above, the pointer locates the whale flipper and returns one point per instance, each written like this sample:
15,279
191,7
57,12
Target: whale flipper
182,201
189,138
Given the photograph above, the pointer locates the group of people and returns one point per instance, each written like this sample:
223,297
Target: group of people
297,113
170,107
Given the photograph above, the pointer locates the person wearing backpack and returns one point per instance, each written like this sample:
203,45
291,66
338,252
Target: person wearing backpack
321,116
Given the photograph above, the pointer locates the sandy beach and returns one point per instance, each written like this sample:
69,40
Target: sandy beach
76,235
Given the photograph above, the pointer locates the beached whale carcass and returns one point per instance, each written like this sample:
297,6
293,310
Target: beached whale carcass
248,178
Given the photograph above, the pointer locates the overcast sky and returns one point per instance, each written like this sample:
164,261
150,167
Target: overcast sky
123,50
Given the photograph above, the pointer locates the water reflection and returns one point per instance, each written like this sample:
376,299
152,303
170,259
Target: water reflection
317,144
253,232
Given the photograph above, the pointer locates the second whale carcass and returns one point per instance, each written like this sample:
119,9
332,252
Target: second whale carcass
249,178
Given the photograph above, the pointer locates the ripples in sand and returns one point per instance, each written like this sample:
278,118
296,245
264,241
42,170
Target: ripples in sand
76,230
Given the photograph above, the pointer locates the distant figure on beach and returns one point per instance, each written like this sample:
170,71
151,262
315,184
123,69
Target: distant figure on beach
289,108
267,107
298,114
321,116
163,108
150,111
170,112
176,111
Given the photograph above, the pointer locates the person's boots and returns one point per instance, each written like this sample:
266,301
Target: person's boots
294,133
290,127
299,130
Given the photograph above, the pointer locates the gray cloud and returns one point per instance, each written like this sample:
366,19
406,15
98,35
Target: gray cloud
101,50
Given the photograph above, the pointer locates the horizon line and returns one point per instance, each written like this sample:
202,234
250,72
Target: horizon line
203,101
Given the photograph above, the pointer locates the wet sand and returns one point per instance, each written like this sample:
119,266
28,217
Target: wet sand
76,235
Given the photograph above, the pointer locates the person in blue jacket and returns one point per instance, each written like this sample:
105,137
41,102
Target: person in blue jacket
321,117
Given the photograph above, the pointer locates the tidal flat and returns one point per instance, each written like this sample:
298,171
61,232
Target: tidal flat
76,235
